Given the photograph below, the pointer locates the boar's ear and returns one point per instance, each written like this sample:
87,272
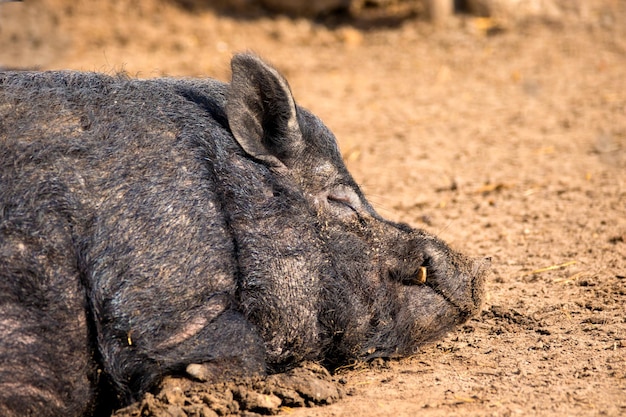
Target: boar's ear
261,111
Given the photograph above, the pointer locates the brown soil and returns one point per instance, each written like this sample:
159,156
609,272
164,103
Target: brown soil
506,138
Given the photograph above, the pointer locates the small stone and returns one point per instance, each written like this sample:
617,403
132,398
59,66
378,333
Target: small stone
172,394
175,411
252,400
198,371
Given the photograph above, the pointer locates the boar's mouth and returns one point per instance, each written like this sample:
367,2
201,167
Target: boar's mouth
429,300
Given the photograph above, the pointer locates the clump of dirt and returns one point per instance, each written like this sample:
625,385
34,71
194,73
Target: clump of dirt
305,386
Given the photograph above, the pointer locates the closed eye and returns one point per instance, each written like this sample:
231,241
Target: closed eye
342,201
346,203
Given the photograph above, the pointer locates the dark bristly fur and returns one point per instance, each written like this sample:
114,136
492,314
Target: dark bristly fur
148,225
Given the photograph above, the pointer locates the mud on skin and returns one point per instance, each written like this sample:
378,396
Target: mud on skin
150,225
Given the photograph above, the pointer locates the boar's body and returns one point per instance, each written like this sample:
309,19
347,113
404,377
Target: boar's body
148,225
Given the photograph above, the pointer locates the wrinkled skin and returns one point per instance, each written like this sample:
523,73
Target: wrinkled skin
150,225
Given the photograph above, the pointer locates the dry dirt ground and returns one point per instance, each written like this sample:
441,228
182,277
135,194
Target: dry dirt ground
507,138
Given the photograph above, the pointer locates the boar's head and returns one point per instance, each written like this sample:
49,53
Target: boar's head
383,288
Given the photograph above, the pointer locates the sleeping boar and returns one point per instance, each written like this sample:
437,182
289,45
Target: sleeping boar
146,225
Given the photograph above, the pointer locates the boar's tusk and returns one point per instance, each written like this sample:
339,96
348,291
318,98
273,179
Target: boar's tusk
421,275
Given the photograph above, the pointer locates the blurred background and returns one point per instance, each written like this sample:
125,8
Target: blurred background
154,37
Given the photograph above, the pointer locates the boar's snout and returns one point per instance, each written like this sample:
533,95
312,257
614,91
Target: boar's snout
457,280
453,277
440,287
